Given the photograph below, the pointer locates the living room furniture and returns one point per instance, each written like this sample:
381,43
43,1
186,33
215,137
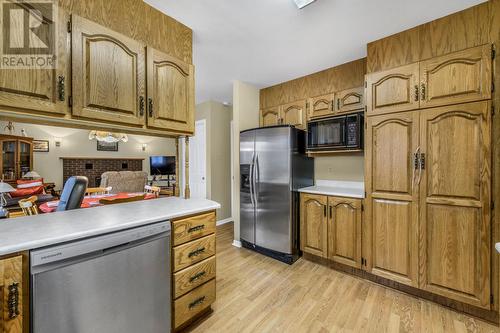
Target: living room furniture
4,188
94,201
73,193
28,205
97,190
16,158
152,189
124,181
131,198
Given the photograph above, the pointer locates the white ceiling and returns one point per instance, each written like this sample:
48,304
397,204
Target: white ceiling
265,42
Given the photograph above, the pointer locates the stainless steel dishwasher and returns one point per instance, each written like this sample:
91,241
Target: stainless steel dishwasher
118,282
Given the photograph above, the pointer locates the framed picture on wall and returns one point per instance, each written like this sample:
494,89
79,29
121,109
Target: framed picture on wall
107,146
41,146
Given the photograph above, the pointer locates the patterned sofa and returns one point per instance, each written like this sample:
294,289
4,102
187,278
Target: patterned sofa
124,181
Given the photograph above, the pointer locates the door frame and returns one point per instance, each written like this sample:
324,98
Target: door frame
204,123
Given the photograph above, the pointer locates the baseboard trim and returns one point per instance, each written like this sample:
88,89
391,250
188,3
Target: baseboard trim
236,243
221,222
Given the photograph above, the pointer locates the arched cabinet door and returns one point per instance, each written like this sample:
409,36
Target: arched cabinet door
393,90
108,74
350,100
294,114
344,231
38,89
455,202
321,106
314,224
458,77
270,116
391,213
170,103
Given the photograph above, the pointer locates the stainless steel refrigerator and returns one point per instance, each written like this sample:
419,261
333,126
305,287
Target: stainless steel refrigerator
273,166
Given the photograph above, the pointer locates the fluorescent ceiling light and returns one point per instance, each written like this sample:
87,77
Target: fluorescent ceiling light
302,3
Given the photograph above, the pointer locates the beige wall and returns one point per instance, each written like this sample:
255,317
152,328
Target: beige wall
75,143
245,116
348,167
218,180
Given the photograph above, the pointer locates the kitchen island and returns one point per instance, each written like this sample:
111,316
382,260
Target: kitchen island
21,236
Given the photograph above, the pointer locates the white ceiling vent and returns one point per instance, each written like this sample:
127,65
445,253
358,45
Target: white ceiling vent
302,3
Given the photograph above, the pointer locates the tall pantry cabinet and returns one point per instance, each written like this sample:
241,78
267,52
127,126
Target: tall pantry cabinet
428,175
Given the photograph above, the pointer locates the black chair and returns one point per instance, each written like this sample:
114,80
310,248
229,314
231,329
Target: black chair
73,193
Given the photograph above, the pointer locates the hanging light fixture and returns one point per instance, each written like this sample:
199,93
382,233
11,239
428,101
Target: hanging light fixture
302,3
108,137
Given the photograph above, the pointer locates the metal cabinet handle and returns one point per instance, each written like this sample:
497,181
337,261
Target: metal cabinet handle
324,210
141,105
61,88
338,104
13,300
331,212
196,252
416,93
197,276
415,167
197,228
150,107
422,91
197,302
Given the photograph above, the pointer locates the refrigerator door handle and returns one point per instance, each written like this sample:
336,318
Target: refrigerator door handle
256,178
251,181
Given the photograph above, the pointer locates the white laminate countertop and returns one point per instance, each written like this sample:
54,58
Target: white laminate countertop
27,233
337,188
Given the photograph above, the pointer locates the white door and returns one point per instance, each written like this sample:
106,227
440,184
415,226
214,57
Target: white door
198,160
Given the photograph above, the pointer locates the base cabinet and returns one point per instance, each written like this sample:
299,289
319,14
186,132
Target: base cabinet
344,231
194,268
331,228
13,281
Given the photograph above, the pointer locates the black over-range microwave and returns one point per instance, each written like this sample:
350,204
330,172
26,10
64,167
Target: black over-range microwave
336,133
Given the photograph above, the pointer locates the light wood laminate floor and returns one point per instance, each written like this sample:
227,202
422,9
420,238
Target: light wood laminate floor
259,294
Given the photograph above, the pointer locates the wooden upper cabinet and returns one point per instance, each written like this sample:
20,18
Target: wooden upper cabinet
350,100
458,77
270,116
108,72
393,90
392,196
294,114
455,202
321,106
37,90
12,313
313,224
170,102
344,231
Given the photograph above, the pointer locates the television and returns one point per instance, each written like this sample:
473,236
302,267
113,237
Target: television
162,165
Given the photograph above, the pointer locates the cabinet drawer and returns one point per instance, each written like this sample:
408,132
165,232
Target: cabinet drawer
193,276
195,251
193,227
193,303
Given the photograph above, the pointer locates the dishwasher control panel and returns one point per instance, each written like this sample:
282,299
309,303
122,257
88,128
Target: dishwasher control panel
98,243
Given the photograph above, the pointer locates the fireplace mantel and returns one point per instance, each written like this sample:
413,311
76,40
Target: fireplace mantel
102,158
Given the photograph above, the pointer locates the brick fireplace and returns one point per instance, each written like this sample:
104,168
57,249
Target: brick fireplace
93,168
